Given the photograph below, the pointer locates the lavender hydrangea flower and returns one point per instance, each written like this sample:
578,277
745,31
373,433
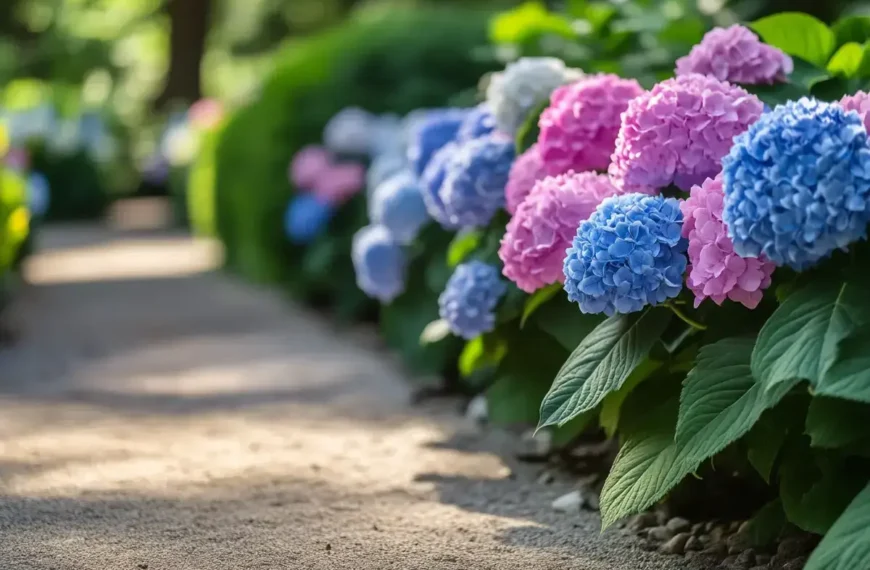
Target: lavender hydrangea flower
629,254
469,301
397,204
735,54
678,132
474,184
478,122
306,218
797,184
439,128
379,263
308,165
349,132
578,130
860,103
523,85
433,180
382,168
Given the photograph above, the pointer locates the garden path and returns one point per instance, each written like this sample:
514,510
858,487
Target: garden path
155,414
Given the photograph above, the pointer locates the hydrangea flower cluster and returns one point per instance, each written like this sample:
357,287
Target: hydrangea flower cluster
349,132
715,270
340,182
678,132
478,122
306,218
431,183
379,263
860,103
736,54
629,254
397,204
578,130
308,166
468,302
533,247
383,167
475,178
527,169
439,128
523,85
797,184
38,194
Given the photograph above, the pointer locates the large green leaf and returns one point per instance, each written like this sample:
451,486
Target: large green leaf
766,438
560,319
462,246
767,524
601,363
836,423
798,34
846,546
854,29
799,341
611,406
847,60
849,375
721,400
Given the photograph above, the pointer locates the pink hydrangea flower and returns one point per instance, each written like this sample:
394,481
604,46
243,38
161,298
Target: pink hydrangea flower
715,270
533,247
308,165
527,169
578,130
736,54
206,113
340,182
859,102
678,132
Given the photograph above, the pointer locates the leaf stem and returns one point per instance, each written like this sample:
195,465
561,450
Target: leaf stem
685,318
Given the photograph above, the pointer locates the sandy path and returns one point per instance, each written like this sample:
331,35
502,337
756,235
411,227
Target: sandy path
157,415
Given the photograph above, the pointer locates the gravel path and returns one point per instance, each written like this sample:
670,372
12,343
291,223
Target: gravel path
157,415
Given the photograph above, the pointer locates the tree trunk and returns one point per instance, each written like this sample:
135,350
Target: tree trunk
189,24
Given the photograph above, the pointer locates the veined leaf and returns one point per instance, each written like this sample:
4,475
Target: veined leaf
836,423
846,546
852,29
849,375
798,34
847,60
601,364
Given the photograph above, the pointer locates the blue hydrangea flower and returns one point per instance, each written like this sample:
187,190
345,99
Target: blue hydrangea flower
476,175
478,122
38,194
306,218
436,130
382,168
379,263
349,131
628,254
468,302
797,184
398,205
431,183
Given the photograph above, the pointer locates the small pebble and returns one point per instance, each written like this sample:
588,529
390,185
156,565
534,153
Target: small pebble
660,534
641,522
745,560
728,562
697,529
545,478
694,543
477,411
679,524
796,564
763,559
569,503
676,545
717,550
793,547
535,446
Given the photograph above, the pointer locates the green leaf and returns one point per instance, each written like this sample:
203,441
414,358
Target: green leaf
806,74
538,298
527,134
462,246
527,21
800,339
434,332
846,546
766,438
767,524
855,29
481,352
798,34
721,400
847,60
849,375
566,434
836,423
601,364
611,406
561,319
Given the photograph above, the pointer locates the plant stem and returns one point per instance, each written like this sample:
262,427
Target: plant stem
685,318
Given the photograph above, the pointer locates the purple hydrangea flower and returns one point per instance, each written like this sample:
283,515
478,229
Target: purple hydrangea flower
477,123
398,205
533,247
306,218
527,169
678,132
475,179
735,54
629,254
436,130
797,184
308,165
716,271
379,263
578,130
524,85
469,301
